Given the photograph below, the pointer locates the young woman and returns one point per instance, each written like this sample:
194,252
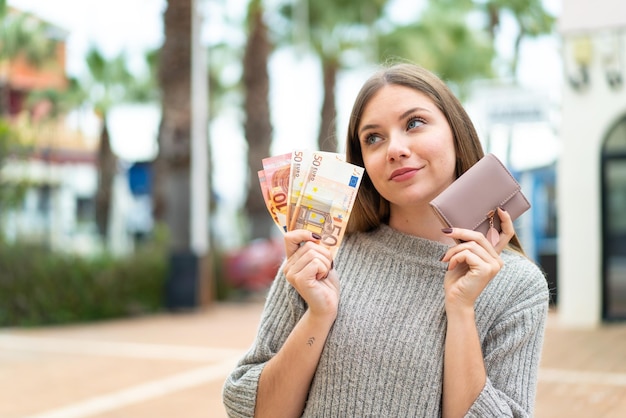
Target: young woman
404,322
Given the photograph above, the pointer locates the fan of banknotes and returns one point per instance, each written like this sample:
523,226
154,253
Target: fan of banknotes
312,190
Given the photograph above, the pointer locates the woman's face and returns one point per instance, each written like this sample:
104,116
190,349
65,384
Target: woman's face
407,146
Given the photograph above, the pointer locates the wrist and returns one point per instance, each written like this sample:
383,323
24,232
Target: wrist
321,317
461,312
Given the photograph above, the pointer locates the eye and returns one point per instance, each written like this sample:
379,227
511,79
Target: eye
414,123
371,139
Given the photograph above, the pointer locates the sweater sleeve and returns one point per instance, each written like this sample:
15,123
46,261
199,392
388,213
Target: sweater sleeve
283,309
512,351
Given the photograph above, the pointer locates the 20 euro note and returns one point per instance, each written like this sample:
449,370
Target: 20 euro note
276,171
300,162
326,199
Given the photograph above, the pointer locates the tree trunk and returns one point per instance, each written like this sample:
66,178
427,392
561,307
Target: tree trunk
172,168
258,128
107,165
159,173
516,49
4,99
327,137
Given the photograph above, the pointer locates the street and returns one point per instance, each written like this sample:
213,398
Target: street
174,364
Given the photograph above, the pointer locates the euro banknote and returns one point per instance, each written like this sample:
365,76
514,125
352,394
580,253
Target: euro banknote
311,190
279,219
300,162
276,172
326,198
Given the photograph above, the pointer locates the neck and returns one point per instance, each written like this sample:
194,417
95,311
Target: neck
420,221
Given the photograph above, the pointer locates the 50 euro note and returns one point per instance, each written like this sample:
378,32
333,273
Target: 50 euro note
326,199
301,160
275,187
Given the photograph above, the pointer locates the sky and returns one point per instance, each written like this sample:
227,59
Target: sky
135,26
88,22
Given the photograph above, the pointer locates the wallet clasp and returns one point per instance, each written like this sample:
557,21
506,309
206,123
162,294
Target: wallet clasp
492,234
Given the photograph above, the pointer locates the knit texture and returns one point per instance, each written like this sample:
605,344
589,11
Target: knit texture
384,354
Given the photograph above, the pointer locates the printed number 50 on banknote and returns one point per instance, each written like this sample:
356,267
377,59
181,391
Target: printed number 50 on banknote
326,199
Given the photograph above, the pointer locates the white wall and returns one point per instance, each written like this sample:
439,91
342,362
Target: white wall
587,116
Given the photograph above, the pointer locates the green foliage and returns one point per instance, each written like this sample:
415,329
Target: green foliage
62,101
442,42
21,34
11,192
5,141
334,27
110,81
38,287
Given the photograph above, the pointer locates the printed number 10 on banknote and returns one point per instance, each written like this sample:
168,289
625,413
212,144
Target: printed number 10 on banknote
326,199
274,179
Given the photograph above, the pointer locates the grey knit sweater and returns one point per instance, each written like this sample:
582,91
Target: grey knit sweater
384,354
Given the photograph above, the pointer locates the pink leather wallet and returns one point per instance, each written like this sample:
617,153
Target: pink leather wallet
471,201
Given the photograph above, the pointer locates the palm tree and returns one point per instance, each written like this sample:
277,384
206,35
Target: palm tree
532,20
171,193
257,126
108,83
221,56
335,28
442,41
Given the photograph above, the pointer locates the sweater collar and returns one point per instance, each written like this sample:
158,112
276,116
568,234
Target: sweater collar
392,240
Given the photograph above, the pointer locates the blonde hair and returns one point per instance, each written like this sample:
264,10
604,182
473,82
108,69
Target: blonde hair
370,208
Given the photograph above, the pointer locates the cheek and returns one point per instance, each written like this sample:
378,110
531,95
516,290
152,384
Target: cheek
444,158
443,148
368,161
447,164
374,170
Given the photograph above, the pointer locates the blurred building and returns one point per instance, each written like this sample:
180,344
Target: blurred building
58,207
60,165
20,77
592,168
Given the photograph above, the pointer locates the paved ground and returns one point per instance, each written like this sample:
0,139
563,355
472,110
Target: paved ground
173,365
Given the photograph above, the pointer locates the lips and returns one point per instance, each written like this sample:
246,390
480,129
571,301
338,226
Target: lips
403,173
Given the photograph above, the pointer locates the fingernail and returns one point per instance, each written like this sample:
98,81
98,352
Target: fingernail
316,236
442,256
332,264
446,230
502,209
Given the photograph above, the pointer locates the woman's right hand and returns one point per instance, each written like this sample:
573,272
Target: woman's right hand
309,269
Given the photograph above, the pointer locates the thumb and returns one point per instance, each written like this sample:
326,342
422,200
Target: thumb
295,238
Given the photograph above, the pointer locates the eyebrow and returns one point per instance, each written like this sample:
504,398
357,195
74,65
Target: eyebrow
401,117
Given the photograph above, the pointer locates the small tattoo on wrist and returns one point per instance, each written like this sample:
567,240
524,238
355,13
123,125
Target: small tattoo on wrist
310,341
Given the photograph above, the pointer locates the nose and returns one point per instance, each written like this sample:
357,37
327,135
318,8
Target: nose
398,147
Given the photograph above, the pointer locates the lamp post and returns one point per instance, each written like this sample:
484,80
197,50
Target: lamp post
199,204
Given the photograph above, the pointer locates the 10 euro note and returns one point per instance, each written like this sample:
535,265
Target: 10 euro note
279,219
326,199
276,170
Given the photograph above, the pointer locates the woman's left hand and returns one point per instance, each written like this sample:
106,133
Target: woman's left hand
473,263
